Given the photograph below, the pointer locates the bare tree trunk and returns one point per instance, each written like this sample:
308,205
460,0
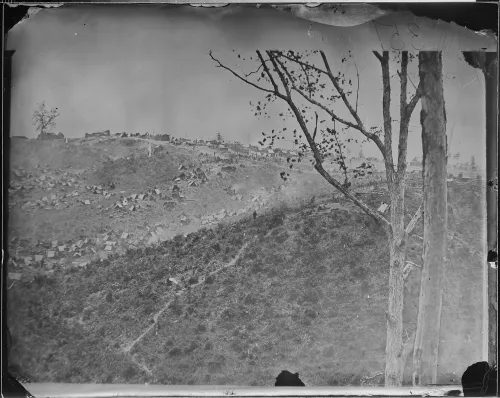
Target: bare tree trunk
394,367
396,349
433,121
488,63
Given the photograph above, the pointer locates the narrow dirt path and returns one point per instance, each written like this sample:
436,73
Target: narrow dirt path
128,348
141,365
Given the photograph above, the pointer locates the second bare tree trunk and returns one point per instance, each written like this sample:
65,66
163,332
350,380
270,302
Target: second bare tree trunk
433,121
395,358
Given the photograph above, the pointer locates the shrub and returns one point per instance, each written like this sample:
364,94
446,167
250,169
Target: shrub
129,373
169,343
192,346
276,220
175,307
209,345
174,352
109,297
250,300
282,237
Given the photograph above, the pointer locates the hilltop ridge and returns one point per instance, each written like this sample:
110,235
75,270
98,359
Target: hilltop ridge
177,291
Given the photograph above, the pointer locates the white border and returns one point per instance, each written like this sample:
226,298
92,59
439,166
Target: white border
68,390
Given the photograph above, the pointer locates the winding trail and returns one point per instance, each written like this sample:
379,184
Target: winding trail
128,348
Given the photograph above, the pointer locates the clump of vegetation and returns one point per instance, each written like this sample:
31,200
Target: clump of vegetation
44,119
283,293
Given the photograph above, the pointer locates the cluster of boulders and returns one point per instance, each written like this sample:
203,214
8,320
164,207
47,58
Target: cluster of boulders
71,252
220,215
54,201
66,189
228,169
51,136
137,201
214,218
45,180
192,177
260,198
103,133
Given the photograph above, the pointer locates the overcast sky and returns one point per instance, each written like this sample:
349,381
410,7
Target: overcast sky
138,69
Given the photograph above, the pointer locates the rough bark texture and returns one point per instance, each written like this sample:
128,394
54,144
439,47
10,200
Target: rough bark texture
433,121
491,78
394,367
396,349
488,63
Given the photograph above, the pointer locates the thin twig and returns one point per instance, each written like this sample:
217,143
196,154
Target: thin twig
220,65
357,90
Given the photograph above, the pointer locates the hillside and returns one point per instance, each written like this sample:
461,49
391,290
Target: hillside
60,195
229,299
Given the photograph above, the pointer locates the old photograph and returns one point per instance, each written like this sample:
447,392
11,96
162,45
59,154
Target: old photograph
247,195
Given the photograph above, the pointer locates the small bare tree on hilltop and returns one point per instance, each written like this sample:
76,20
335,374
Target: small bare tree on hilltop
44,119
306,84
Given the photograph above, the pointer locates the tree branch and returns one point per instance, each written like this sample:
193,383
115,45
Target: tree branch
310,139
315,127
317,156
377,217
373,137
403,76
408,268
407,348
307,79
386,111
357,90
406,110
278,71
255,71
328,111
411,225
413,101
346,179
404,117
377,54
319,167
220,65
301,63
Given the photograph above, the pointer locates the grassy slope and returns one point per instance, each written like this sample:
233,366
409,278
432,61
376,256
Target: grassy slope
111,163
123,162
308,294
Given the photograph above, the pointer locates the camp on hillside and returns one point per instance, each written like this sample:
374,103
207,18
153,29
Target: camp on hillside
247,197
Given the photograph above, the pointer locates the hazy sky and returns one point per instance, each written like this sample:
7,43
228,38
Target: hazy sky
139,68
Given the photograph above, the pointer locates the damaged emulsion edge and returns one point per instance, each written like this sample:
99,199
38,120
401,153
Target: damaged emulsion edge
320,14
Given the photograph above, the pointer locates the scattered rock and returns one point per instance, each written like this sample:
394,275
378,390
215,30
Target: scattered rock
383,207
16,276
